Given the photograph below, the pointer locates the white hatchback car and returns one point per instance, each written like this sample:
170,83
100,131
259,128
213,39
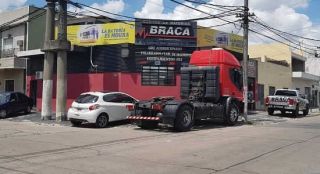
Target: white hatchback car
100,108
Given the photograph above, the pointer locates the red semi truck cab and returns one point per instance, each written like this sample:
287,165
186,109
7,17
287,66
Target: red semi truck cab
229,66
211,88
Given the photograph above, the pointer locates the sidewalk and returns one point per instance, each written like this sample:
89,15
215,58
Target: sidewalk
262,117
35,117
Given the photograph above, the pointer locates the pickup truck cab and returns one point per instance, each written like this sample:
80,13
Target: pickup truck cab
287,100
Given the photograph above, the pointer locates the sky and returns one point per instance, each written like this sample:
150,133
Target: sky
300,17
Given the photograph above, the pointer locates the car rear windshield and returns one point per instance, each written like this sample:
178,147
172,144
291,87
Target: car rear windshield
286,93
87,98
4,98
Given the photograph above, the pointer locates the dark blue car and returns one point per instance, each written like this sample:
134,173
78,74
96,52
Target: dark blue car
14,102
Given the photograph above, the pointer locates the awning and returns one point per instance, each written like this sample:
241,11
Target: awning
29,53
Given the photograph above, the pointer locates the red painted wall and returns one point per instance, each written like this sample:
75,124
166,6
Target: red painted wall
124,82
131,84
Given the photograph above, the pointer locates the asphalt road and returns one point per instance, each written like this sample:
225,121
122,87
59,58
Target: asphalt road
286,146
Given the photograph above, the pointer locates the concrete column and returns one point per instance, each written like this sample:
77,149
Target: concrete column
46,109
61,100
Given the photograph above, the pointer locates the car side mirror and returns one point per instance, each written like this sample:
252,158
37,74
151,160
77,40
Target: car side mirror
12,100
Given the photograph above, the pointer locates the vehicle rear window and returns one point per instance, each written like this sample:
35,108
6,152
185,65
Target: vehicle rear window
4,98
87,98
286,93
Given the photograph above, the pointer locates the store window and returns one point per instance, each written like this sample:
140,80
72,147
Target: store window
158,76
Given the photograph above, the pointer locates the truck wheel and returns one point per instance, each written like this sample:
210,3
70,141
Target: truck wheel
184,119
146,124
232,115
306,111
295,113
270,111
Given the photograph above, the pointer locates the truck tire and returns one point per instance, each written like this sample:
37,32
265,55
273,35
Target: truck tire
231,115
184,119
270,111
306,111
295,113
147,124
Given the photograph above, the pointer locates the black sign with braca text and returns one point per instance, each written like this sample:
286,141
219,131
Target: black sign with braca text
166,33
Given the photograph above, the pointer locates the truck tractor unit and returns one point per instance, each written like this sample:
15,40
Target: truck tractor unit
211,88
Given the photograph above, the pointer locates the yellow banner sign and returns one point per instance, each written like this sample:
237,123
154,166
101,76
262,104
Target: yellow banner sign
207,37
101,34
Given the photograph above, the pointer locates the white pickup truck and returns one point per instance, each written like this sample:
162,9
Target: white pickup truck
287,100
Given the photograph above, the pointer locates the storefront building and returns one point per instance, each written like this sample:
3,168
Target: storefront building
142,58
280,67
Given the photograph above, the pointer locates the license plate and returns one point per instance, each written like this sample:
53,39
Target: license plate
277,106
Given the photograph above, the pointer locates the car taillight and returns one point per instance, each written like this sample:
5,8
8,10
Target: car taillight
267,100
157,107
93,107
292,101
130,107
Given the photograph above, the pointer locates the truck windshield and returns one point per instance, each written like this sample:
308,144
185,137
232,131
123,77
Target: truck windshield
87,98
286,93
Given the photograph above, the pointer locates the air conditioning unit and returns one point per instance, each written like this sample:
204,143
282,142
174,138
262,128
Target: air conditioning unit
39,75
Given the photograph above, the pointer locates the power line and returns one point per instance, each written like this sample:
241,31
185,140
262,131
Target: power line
215,5
223,14
290,41
8,27
286,32
21,17
279,41
286,37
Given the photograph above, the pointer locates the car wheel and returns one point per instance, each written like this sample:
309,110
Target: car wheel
306,111
75,123
270,111
184,120
3,113
28,110
102,121
295,113
231,115
283,112
147,124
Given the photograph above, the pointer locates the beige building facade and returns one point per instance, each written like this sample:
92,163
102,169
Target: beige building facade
281,67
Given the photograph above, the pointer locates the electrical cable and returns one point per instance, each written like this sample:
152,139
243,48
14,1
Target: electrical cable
288,33
278,41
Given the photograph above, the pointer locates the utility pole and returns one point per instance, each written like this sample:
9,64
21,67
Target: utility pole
61,99
46,110
245,58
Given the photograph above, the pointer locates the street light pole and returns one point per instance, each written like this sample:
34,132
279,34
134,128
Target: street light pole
61,99
245,58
